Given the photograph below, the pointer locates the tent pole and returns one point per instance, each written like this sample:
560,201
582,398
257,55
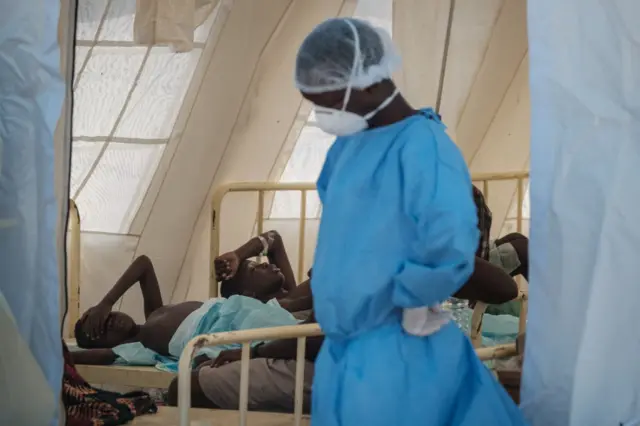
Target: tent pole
445,54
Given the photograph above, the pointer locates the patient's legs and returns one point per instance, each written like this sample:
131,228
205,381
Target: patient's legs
521,245
198,398
271,387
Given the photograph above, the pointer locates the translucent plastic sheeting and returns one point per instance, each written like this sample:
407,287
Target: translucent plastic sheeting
116,186
81,55
581,362
304,166
157,98
90,14
526,204
31,98
103,87
118,24
510,224
85,155
104,259
119,20
124,94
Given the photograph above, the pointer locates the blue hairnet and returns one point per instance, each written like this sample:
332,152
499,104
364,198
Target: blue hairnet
344,52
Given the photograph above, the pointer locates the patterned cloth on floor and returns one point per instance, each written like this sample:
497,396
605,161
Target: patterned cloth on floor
88,406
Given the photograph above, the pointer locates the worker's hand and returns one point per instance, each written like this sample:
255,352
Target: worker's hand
226,266
226,357
95,319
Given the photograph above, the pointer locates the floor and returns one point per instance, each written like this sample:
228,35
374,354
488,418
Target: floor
168,416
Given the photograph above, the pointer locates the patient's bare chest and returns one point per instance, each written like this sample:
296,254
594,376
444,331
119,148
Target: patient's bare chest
162,324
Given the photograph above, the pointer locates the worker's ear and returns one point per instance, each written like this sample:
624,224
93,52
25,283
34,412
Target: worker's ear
379,92
374,91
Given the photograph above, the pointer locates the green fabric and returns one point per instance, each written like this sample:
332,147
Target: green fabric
504,256
509,308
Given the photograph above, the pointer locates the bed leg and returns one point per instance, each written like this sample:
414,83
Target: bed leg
299,390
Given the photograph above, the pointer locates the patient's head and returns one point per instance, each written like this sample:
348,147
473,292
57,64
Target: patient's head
119,327
262,281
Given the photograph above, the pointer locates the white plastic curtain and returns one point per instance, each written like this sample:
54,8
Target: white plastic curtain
581,362
31,98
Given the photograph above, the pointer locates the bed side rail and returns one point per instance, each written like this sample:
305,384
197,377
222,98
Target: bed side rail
73,269
483,180
245,337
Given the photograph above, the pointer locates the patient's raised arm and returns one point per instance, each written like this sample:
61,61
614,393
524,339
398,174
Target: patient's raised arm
298,299
141,270
270,242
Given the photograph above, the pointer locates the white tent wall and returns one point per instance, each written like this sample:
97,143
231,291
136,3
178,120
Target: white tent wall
493,127
242,120
238,216
269,122
506,148
581,362
475,53
485,93
419,31
126,99
260,104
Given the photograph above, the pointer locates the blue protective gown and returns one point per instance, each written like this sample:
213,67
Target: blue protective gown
398,230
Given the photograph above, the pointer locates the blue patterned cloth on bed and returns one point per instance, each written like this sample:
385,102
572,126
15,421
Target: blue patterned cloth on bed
496,329
214,316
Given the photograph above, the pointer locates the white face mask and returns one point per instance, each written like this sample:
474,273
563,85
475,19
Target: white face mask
340,122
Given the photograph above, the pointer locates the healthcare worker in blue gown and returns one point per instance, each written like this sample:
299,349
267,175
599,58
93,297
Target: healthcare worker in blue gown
398,236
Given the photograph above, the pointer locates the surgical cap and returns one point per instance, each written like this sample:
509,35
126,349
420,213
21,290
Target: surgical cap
344,52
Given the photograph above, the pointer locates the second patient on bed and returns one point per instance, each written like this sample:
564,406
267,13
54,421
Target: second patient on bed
101,329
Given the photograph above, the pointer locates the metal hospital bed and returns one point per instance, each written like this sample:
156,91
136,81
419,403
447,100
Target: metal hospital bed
151,377
301,332
261,188
73,269
148,377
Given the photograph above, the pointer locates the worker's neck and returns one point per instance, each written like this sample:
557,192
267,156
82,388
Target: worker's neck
398,110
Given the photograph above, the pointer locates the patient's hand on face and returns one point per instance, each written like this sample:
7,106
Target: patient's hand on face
226,266
94,320
117,328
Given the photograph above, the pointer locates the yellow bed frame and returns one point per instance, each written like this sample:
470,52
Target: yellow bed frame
151,377
263,187
73,269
